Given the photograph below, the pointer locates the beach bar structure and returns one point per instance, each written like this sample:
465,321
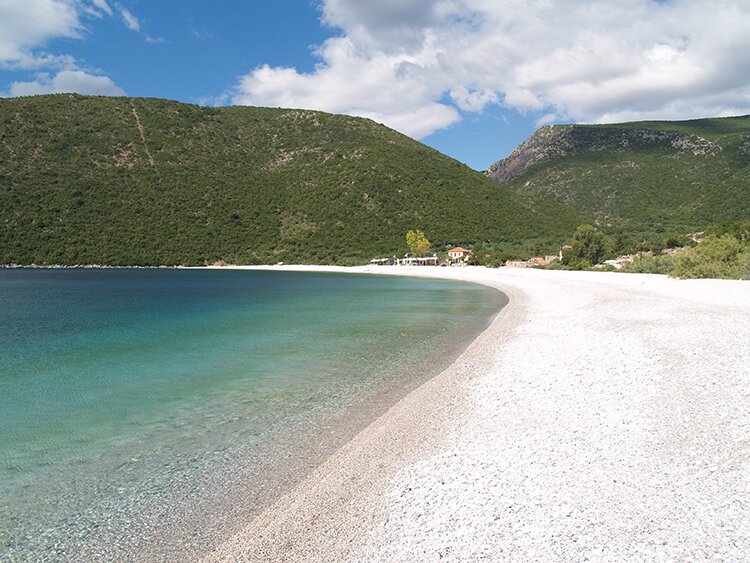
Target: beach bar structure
417,261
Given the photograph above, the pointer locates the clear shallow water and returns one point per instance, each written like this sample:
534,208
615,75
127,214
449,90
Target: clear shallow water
131,398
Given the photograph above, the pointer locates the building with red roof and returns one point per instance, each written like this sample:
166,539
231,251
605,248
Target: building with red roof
458,253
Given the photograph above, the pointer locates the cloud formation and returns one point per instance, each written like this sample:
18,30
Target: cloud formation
25,24
130,21
416,65
28,26
67,81
103,6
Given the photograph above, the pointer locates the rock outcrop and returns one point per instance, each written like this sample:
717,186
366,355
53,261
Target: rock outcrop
554,141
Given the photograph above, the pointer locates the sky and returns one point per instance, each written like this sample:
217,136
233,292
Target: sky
471,78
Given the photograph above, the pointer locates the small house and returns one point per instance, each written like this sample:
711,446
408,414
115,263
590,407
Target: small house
458,253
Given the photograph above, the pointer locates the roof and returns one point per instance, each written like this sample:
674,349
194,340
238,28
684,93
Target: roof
537,260
567,247
458,249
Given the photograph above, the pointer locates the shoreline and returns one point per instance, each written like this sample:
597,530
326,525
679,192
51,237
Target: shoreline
552,435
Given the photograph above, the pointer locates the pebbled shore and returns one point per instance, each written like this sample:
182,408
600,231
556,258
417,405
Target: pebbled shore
601,416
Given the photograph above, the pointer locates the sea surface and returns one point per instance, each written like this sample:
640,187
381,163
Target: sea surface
149,413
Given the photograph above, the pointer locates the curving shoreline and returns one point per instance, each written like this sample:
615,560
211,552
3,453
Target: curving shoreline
599,415
188,476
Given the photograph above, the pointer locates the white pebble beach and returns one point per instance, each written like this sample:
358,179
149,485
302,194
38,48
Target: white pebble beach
601,416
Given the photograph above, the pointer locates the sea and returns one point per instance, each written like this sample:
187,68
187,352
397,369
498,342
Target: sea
150,413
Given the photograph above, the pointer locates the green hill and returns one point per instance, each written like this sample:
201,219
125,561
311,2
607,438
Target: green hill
645,178
125,181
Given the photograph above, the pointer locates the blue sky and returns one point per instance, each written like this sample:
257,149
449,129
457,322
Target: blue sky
472,78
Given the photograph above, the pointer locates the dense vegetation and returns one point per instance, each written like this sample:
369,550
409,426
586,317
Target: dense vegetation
723,251
642,182
125,181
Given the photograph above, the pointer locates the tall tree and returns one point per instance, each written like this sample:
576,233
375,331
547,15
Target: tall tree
417,242
590,244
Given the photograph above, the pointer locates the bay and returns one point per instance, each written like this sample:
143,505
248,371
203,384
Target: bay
152,412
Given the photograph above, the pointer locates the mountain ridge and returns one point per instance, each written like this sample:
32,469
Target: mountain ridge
644,176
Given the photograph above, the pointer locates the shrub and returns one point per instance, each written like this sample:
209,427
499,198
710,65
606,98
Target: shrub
575,263
738,229
715,257
651,265
495,259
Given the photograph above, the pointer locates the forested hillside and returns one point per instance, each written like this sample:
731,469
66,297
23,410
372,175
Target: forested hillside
125,181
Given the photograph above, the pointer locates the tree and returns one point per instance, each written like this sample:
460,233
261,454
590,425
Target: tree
590,244
417,242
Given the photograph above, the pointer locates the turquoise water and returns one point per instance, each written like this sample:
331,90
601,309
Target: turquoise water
132,398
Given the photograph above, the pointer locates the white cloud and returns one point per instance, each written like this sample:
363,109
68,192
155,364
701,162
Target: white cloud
36,61
384,23
131,22
413,64
103,6
25,24
67,81
396,89
546,119
202,34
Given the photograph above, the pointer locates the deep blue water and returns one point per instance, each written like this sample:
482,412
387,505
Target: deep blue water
121,384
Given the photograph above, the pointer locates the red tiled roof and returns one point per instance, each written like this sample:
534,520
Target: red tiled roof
458,249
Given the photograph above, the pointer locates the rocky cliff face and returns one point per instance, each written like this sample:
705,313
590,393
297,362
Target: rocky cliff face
554,141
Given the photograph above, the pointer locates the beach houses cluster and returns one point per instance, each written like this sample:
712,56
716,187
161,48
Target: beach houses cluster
417,261
532,262
406,261
457,256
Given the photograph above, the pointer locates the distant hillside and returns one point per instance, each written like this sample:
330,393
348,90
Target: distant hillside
147,181
639,177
